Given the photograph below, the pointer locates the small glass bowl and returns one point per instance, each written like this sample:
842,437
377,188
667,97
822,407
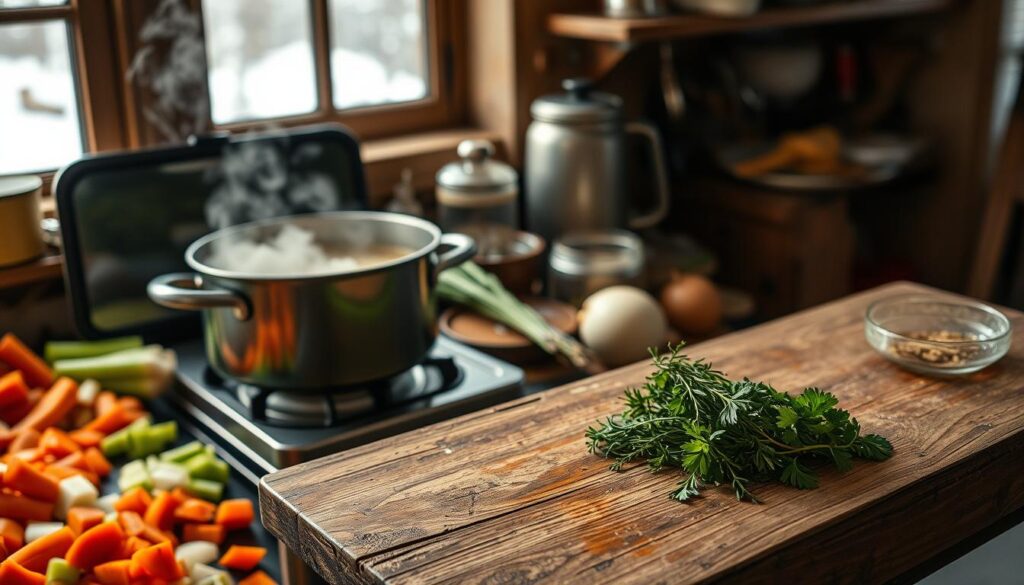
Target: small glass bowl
937,335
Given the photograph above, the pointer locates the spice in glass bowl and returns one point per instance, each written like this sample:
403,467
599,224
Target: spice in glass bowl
931,353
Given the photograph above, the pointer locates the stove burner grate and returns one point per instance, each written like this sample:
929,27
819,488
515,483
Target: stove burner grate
327,408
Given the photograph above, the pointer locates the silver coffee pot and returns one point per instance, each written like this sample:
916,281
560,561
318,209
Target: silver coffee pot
575,164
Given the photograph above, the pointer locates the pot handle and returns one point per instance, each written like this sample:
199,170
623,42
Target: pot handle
462,247
651,218
181,291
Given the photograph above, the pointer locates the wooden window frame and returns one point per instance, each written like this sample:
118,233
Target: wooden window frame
443,107
93,51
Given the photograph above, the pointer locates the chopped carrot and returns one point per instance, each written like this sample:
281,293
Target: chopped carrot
35,555
15,574
258,578
57,443
133,544
86,438
113,419
12,534
98,545
155,535
81,518
113,573
130,403
19,357
235,514
160,512
158,561
63,472
195,510
242,558
131,522
97,463
209,532
29,455
55,404
14,413
135,499
24,508
31,482
26,439
13,389
74,460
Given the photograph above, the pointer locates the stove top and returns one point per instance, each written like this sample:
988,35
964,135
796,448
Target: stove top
265,430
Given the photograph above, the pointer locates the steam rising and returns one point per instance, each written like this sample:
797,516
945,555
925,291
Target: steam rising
291,251
171,64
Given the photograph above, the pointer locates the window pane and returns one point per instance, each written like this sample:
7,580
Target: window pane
378,52
39,127
30,3
260,55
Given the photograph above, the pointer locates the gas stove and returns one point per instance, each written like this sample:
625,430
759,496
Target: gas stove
265,430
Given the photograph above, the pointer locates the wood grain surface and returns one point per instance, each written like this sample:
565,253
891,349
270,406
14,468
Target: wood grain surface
510,495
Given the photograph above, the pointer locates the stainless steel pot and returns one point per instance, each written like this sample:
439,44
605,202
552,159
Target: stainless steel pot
299,331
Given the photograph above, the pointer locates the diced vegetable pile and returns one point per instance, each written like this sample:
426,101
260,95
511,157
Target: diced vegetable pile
166,522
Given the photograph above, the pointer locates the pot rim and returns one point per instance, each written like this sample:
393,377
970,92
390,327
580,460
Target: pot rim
376,216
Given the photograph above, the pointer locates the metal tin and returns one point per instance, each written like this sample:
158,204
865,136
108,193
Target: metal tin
20,219
322,330
582,263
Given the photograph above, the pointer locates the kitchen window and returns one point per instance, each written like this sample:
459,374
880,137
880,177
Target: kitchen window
383,67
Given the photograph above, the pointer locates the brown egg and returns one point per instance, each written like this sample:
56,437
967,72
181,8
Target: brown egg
691,303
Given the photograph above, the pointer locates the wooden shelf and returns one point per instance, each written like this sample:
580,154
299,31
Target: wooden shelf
596,27
46,268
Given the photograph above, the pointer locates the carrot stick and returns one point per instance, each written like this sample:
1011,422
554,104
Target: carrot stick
31,482
14,413
55,404
25,508
12,573
86,438
113,419
98,545
13,389
26,439
19,357
12,534
36,554
242,558
57,442
97,463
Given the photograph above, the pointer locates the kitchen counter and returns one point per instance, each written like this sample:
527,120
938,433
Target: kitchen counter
510,493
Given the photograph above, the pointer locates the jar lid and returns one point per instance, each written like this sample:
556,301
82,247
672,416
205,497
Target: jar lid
477,171
19,185
580,104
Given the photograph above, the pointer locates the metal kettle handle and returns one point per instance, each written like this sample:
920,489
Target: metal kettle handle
182,291
651,218
462,247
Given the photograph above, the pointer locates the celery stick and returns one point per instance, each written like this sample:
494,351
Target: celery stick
118,443
182,453
165,431
64,350
60,572
203,488
141,362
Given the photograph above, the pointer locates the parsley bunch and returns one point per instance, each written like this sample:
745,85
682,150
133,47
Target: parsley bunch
721,431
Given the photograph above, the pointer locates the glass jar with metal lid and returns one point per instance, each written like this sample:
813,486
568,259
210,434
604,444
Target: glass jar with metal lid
478,196
582,263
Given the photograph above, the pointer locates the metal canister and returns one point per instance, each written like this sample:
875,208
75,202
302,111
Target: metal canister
582,263
20,219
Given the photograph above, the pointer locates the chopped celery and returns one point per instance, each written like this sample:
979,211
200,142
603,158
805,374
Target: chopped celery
167,476
118,443
203,488
205,466
60,572
148,440
63,350
165,431
182,453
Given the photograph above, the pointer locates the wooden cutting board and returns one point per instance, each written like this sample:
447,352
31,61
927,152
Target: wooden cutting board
510,494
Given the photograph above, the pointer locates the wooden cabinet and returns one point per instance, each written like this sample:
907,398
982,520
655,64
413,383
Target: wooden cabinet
789,251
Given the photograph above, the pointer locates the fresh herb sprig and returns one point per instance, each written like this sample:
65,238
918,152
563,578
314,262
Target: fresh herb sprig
721,431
